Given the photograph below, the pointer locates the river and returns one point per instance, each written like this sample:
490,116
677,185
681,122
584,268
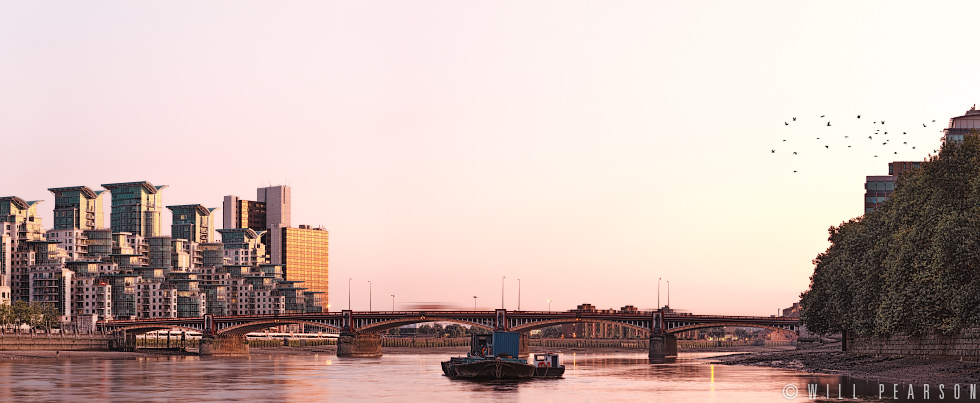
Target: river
619,377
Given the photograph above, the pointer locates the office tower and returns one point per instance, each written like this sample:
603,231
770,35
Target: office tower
303,252
273,207
192,222
77,207
240,213
278,208
136,208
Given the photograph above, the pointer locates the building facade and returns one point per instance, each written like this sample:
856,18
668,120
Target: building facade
192,222
136,208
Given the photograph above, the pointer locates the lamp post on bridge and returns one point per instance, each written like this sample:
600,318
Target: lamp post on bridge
518,294
549,304
370,296
502,291
474,302
393,302
348,292
668,293
658,292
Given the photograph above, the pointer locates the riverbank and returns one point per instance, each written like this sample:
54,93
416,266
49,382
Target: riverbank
830,360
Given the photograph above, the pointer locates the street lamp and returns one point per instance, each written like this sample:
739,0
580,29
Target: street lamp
658,292
474,302
549,305
392,302
518,294
370,296
348,292
668,293
502,291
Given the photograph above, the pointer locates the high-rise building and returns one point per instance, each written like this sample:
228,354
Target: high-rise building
303,252
243,214
136,208
77,207
192,222
278,208
273,207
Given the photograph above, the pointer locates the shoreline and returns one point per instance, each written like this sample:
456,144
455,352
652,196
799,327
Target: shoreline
830,360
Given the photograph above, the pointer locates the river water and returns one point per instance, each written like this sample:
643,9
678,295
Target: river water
620,377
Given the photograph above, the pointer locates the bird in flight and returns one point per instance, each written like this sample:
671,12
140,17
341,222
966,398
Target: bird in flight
869,137
826,146
822,116
786,123
794,152
794,118
773,151
923,125
882,122
828,123
859,116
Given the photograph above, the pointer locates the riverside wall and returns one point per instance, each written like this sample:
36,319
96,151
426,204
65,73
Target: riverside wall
37,342
963,345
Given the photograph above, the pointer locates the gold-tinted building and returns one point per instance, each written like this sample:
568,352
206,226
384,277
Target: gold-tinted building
304,257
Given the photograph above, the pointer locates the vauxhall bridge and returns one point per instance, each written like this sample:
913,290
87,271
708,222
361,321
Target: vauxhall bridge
360,330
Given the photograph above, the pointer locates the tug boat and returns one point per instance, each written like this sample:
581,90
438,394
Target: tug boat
495,356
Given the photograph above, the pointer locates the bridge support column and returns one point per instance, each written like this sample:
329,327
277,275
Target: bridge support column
227,345
663,346
359,345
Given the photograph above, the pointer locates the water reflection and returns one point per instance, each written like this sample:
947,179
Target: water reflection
409,377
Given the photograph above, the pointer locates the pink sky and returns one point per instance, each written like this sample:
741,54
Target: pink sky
586,148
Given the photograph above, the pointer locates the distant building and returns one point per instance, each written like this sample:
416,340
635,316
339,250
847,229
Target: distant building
192,222
962,125
136,208
303,252
272,207
876,190
77,207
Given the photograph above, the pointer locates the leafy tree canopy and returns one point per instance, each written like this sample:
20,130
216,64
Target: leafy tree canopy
911,265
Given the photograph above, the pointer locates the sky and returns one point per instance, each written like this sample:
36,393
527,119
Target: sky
586,152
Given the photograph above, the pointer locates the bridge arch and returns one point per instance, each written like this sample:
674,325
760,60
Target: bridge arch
246,328
552,322
395,323
697,326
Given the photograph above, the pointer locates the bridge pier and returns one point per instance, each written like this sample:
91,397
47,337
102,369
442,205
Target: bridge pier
359,345
662,346
226,345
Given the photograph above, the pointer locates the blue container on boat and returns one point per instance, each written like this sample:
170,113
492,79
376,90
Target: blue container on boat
507,343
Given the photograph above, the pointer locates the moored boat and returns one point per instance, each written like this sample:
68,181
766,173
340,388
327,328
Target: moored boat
495,356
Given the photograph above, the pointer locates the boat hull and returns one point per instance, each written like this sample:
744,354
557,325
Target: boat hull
487,368
549,372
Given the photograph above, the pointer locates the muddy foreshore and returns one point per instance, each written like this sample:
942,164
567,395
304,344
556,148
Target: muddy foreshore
830,360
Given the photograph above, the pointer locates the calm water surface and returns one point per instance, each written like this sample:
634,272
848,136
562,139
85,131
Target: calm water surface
399,378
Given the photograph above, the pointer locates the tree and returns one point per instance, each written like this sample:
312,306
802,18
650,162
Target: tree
455,330
910,265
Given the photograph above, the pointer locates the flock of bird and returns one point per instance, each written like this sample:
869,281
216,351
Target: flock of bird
906,140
